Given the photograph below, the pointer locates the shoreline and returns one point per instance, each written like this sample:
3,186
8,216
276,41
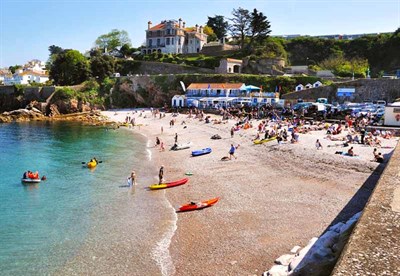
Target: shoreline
273,197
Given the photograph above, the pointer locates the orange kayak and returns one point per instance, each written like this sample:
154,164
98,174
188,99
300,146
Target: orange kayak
198,205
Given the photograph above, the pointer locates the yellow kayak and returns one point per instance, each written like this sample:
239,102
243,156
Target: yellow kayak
257,142
92,164
169,184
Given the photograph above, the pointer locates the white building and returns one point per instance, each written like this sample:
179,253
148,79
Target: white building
25,77
229,66
178,101
299,87
171,36
317,84
392,114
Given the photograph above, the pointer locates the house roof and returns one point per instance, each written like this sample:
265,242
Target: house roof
215,85
32,73
157,27
233,60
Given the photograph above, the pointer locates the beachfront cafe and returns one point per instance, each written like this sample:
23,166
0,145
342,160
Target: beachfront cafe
208,95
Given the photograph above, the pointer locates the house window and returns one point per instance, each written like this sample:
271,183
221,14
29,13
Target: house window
167,42
168,31
172,41
158,42
150,42
158,33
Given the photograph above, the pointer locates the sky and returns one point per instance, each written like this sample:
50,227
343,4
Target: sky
29,27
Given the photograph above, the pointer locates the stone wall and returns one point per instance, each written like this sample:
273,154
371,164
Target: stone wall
219,49
365,90
9,100
271,66
155,68
373,247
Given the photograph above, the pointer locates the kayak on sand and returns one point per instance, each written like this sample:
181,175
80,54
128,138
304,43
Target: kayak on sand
169,184
257,142
198,205
201,152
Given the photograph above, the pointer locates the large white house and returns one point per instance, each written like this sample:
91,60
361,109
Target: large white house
171,36
25,77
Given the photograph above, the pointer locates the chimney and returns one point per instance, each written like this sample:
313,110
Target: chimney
149,25
201,29
197,28
183,24
180,22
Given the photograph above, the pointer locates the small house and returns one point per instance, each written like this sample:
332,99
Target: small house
178,101
317,84
299,87
308,86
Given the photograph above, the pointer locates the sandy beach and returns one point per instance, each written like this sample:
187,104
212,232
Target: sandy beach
273,197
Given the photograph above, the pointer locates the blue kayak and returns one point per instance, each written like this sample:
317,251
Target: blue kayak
201,152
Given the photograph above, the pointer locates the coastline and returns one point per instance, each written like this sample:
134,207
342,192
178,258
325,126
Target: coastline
272,197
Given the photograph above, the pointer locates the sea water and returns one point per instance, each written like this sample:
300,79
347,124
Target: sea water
79,214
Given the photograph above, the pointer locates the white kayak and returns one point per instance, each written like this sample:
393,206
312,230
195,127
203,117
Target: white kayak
182,146
30,180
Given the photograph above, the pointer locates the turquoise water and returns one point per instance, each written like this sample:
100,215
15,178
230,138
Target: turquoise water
44,226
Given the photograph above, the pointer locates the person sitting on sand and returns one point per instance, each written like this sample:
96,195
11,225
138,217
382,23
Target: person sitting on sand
350,152
158,142
356,140
379,158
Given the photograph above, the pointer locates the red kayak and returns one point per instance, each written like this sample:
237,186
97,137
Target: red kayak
169,184
198,205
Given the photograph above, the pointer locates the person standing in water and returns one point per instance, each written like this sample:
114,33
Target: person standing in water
132,179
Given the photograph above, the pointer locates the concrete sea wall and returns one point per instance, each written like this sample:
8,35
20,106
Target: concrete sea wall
365,90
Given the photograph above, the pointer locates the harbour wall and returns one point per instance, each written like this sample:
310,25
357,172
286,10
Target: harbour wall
373,247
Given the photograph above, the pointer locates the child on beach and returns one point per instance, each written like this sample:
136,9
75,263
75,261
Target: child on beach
318,144
161,174
162,148
132,179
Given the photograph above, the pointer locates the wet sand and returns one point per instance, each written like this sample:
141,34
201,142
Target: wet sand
273,197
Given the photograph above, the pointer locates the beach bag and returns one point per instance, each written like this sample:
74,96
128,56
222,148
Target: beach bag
216,137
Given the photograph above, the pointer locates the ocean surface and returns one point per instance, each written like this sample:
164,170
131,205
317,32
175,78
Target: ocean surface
80,219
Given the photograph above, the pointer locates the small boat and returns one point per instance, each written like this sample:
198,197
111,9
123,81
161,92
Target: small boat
201,152
198,205
31,180
258,142
91,164
181,146
169,184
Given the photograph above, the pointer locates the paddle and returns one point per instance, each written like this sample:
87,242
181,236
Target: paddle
98,162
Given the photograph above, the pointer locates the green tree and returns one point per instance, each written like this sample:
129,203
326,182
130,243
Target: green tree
102,66
113,41
218,25
240,25
70,67
14,68
259,27
54,51
211,36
